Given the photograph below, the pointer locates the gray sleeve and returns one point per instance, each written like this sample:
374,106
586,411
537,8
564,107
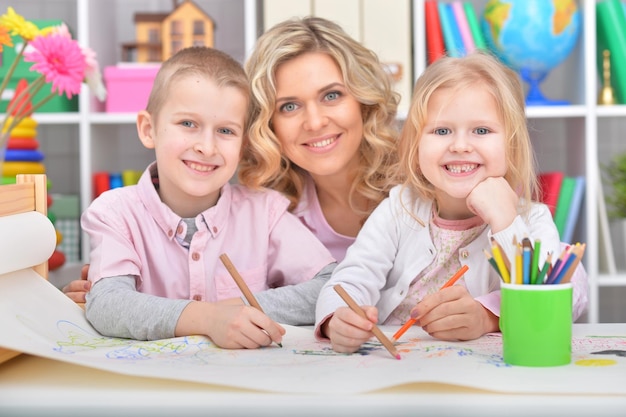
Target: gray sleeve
295,304
115,308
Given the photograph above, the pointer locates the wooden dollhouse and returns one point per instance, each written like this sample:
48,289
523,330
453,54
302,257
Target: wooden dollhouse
160,35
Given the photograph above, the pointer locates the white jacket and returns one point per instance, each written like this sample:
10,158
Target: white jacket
392,248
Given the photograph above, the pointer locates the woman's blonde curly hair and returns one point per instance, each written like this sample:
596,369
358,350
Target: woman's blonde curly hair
263,162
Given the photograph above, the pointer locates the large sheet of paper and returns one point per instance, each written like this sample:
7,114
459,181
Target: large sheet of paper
37,318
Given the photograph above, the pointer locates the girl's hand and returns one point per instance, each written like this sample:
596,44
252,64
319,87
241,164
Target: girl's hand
347,330
229,326
453,314
494,201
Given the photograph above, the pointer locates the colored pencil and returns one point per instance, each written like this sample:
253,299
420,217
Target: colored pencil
497,255
410,322
535,262
580,251
492,262
526,258
377,332
544,270
242,284
519,265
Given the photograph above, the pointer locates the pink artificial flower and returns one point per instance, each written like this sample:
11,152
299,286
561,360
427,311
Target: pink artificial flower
60,60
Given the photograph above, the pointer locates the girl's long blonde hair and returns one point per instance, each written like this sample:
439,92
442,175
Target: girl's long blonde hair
479,68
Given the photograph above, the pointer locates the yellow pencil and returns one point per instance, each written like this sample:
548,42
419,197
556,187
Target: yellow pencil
497,256
519,272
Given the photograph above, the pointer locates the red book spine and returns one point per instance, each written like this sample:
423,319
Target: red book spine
550,183
435,47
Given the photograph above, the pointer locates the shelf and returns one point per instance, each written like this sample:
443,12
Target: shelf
618,280
112,118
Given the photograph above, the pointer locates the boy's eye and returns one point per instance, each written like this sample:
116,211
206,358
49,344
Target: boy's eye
288,107
187,123
225,131
481,131
441,131
333,95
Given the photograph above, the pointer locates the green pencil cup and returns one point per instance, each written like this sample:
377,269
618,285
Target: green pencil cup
536,324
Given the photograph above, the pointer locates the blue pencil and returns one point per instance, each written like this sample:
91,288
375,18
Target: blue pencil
526,267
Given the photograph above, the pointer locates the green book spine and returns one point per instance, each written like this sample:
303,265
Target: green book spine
472,20
563,204
611,35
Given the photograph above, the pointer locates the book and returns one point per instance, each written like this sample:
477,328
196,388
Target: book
451,34
463,26
550,183
606,257
574,210
472,21
435,47
611,35
566,193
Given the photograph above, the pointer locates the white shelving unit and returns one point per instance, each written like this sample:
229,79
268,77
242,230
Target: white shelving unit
573,139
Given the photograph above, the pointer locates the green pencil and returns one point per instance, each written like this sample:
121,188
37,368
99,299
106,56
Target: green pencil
534,265
544,270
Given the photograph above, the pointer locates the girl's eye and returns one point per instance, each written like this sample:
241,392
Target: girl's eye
226,131
333,95
441,131
481,131
288,107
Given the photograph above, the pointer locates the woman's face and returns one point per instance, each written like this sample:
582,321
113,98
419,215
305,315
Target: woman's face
317,121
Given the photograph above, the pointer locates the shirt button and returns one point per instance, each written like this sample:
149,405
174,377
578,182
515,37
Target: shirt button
214,229
179,230
195,256
170,233
197,297
464,254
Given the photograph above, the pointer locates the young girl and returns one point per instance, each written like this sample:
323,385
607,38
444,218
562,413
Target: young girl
467,165
155,247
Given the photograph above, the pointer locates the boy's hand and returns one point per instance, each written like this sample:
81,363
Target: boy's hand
453,314
347,330
78,289
494,201
229,326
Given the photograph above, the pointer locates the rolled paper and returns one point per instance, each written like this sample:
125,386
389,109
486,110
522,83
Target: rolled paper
27,239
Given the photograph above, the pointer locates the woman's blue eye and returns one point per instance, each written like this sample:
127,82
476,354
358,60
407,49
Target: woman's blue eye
288,107
333,95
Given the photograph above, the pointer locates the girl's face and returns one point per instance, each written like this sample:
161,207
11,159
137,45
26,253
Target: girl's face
317,121
463,143
197,137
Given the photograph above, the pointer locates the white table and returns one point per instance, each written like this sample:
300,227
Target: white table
31,386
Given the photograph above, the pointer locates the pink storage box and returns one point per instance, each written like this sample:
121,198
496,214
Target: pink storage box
128,87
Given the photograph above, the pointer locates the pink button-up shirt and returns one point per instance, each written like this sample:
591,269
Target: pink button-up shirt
132,232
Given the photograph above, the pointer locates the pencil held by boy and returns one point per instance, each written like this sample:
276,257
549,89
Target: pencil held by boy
467,171
155,247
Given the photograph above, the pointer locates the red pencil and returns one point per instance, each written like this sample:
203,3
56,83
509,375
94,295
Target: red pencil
411,322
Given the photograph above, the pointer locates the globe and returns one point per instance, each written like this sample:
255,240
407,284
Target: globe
532,37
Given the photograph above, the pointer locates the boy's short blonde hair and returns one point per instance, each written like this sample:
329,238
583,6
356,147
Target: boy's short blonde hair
223,69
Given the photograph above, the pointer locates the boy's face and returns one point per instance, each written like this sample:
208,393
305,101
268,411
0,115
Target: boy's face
197,136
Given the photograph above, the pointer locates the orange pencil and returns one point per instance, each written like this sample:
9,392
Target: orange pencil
379,334
411,322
